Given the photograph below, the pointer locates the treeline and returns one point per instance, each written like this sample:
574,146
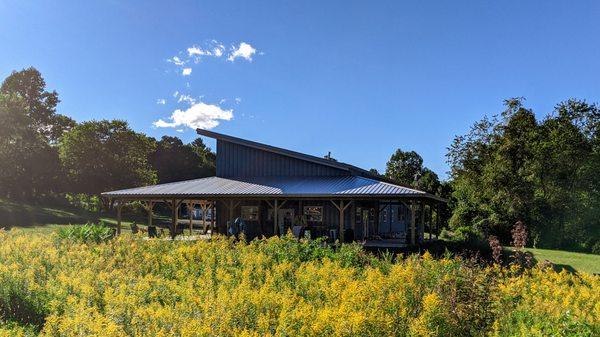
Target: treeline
43,153
542,172
512,167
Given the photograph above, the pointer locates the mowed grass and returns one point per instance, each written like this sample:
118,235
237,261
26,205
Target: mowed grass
49,217
574,262
20,214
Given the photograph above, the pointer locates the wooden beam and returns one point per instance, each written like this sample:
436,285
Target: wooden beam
412,222
341,208
422,225
231,207
275,217
437,220
190,209
429,223
204,208
212,219
149,206
174,207
119,208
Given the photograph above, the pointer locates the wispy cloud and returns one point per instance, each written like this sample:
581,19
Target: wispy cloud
244,50
198,115
176,61
187,99
213,49
161,101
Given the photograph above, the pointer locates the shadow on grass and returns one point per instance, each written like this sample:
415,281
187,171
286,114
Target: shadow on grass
14,213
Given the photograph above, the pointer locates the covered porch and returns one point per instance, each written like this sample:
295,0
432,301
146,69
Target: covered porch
373,222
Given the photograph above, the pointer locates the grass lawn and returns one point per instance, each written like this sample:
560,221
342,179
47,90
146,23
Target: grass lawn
49,217
589,263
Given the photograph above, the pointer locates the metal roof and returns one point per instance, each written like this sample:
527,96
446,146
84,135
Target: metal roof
338,187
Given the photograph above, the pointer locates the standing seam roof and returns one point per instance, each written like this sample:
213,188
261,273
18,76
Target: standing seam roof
271,186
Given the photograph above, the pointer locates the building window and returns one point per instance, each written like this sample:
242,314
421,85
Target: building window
250,213
313,213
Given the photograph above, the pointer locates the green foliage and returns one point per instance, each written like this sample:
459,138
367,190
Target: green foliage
40,105
515,168
106,155
91,203
88,233
29,163
175,161
405,167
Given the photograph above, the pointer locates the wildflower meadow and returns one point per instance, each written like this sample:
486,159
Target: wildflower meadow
129,286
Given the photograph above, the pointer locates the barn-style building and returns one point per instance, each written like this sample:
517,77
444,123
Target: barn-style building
264,190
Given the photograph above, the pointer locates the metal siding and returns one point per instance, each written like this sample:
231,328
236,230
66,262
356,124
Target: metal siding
234,160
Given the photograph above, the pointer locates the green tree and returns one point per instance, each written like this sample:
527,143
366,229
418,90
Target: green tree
175,161
40,104
407,169
515,168
404,167
106,155
208,158
28,165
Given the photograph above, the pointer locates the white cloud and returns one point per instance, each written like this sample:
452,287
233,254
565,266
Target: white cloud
238,100
186,98
244,50
161,101
199,115
176,93
196,51
218,51
186,71
176,60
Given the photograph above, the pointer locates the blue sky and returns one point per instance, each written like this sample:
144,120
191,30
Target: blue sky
359,79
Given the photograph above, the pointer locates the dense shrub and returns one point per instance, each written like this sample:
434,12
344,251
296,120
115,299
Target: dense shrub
278,287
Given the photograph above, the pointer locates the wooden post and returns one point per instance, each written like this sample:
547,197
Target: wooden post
231,207
275,217
437,220
204,208
430,222
173,218
341,208
212,218
230,215
422,220
412,222
119,208
353,219
190,207
149,207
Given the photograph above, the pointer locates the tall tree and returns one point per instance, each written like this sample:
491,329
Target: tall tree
175,161
29,167
106,155
405,167
40,104
207,157
514,168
